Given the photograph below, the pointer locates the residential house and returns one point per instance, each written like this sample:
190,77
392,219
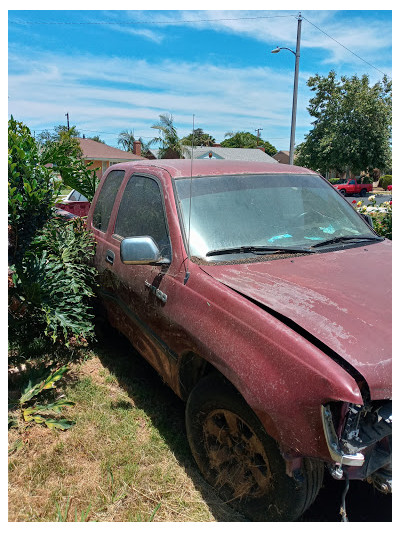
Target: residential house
282,157
231,154
102,156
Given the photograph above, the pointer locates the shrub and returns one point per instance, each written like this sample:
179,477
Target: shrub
31,190
52,288
334,181
50,280
385,181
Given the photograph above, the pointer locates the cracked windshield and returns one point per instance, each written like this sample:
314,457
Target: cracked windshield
271,211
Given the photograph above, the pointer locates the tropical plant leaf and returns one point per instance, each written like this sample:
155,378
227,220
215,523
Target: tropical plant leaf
59,424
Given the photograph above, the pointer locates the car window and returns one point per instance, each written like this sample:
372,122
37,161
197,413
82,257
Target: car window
141,212
352,182
106,198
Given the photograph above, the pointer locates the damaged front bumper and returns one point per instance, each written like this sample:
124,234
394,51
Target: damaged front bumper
359,438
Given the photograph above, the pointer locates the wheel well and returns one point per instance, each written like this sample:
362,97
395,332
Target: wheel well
192,368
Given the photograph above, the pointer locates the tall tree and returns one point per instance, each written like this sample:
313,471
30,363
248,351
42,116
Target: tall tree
171,146
126,139
352,124
199,138
245,139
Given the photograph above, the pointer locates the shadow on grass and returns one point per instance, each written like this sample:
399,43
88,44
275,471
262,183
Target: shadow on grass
167,413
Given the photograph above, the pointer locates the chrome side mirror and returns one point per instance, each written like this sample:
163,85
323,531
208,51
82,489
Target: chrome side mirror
139,251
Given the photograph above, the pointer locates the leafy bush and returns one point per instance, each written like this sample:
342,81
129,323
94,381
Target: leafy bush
50,280
52,287
334,181
385,181
31,190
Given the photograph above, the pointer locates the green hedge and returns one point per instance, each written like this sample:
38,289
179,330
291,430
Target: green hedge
334,181
385,181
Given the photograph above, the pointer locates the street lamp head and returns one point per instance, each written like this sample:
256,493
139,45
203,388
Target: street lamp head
275,50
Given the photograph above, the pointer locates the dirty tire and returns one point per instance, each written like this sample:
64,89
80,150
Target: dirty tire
240,460
343,191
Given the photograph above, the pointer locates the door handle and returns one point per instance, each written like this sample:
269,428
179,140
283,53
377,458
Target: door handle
110,256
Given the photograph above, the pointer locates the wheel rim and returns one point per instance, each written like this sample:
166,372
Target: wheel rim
237,459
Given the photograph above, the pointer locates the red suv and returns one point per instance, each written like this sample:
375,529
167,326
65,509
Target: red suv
253,290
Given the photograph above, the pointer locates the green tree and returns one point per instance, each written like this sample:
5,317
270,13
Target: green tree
352,124
59,132
31,189
126,139
171,146
62,150
245,139
199,138
97,139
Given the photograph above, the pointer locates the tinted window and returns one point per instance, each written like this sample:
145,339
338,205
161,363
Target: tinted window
142,213
105,201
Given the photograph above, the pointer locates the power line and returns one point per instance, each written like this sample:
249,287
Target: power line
345,47
149,22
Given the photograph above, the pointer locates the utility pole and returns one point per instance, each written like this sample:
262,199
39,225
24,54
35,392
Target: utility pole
258,134
67,115
295,86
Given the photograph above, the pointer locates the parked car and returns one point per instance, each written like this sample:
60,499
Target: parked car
244,285
74,203
352,186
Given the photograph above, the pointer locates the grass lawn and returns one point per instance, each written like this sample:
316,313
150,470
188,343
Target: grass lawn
126,459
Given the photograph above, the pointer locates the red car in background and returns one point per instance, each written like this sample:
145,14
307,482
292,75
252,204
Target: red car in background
244,285
352,186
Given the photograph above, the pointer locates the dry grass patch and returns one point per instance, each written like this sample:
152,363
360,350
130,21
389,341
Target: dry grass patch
126,459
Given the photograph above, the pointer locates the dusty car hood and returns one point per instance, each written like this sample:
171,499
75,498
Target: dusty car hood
343,298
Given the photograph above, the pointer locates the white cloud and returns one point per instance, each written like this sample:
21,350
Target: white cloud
118,93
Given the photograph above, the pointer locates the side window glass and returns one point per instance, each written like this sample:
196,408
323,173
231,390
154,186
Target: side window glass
141,212
106,198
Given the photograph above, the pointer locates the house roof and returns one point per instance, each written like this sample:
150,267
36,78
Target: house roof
286,152
102,152
231,154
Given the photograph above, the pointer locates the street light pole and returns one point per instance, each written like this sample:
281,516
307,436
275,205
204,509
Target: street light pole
295,86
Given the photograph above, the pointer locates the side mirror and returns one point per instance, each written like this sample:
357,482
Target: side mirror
139,251
368,219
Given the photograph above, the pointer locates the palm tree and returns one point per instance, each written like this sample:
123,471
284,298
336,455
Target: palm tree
171,146
126,139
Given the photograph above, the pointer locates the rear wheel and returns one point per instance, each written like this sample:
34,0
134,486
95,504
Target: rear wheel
238,458
363,192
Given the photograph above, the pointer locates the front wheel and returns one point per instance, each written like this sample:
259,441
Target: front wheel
238,458
343,192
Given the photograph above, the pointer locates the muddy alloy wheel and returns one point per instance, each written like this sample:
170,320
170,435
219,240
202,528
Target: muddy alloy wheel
240,460
236,455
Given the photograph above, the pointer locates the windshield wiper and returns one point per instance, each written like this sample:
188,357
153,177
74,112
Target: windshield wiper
346,238
259,250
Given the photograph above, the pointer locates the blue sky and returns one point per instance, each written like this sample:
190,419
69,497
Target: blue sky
118,70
